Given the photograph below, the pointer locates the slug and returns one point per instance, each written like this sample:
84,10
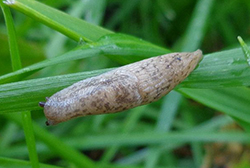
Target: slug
126,87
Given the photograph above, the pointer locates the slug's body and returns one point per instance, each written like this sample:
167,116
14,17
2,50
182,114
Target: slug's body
123,88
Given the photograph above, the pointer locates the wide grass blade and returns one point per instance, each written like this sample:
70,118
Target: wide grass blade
25,95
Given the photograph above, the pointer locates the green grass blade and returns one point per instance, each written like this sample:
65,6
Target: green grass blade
58,146
221,69
96,11
232,101
121,48
10,163
70,56
57,42
14,51
243,123
165,120
152,137
126,8
208,126
8,132
168,111
195,31
245,49
30,138
28,93
16,64
74,28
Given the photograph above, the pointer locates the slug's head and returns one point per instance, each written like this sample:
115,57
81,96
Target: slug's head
55,110
42,104
48,122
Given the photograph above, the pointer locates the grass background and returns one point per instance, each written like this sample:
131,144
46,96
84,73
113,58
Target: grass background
186,128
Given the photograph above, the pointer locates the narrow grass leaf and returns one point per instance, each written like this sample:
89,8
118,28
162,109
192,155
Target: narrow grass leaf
245,49
70,56
196,29
16,65
72,27
151,138
10,163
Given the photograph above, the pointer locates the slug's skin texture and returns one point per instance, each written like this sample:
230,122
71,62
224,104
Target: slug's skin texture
126,87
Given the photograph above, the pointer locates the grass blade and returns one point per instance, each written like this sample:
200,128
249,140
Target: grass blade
232,101
74,28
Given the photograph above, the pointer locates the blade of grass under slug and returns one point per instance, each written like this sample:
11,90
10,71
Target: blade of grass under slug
72,27
220,69
25,95
16,64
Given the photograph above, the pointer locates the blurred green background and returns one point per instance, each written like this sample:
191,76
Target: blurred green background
127,139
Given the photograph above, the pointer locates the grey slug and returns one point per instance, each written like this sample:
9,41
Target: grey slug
126,87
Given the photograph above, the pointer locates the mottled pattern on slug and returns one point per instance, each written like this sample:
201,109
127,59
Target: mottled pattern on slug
123,88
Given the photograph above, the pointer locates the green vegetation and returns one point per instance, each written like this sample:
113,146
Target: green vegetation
47,50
